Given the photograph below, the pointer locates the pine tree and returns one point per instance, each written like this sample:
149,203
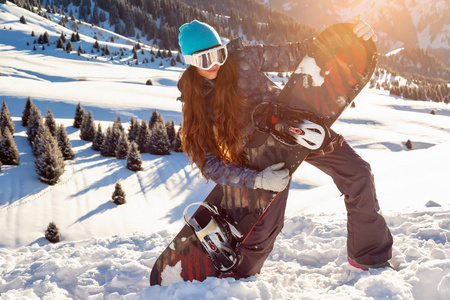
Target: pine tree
69,47
133,130
144,136
26,111
5,119
134,161
171,133
60,44
87,129
50,162
107,51
117,124
98,138
177,145
43,136
34,122
9,154
46,38
73,38
80,50
154,118
79,113
64,143
52,233
118,197
122,147
159,141
50,122
109,146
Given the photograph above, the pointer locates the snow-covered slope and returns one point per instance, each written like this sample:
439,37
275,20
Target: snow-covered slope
107,251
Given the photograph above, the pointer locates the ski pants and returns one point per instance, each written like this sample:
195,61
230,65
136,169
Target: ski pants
369,240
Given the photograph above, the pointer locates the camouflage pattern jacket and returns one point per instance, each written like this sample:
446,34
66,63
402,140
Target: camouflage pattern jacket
253,61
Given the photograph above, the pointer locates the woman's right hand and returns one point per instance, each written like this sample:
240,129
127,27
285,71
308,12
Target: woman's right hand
273,178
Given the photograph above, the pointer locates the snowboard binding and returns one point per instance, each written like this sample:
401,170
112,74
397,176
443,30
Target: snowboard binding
292,127
219,238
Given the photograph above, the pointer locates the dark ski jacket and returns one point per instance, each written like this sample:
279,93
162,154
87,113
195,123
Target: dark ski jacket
253,61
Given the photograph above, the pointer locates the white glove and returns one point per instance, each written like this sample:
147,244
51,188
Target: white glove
273,178
362,29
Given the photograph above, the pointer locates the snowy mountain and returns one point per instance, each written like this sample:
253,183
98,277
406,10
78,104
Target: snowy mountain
107,251
423,24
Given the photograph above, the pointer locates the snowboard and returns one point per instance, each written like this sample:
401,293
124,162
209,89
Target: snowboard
336,67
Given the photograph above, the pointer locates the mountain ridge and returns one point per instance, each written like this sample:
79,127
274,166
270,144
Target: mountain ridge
423,24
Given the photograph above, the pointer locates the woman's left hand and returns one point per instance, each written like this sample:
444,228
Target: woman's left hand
362,29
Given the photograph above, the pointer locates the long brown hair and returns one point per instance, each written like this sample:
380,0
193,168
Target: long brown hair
223,136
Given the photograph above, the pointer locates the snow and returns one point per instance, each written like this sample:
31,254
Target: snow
308,66
393,52
107,251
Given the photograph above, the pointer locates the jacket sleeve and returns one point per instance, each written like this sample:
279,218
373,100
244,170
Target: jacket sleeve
228,174
277,58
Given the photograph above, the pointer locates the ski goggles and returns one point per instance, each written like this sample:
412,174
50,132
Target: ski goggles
206,59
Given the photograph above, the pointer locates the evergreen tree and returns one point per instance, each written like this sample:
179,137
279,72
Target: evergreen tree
144,136
60,44
79,113
129,23
34,122
135,55
133,129
52,233
178,59
26,111
118,197
134,161
154,118
114,17
50,122
87,129
122,147
64,143
177,145
73,38
69,47
117,124
43,136
46,38
50,162
9,154
159,143
80,50
107,51
171,133
108,147
5,119
98,138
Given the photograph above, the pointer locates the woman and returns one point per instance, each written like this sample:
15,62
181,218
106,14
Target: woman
219,88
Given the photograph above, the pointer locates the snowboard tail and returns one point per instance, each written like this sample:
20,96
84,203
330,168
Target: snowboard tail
335,69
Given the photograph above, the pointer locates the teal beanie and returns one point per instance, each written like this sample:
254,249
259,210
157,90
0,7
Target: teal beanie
196,36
